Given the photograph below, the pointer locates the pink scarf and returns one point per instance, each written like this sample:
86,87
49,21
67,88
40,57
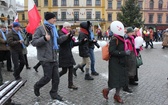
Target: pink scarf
65,32
128,44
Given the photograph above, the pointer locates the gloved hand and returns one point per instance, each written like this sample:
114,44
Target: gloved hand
84,41
128,52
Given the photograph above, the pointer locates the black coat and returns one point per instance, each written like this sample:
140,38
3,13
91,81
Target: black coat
84,48
118,76
65,54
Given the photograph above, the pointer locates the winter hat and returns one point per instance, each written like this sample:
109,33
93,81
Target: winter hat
49,16
16,24
66,24
85,25
130,29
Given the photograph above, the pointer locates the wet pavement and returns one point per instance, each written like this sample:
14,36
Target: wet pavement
152,88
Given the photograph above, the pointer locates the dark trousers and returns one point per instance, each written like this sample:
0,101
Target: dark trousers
26,61
6,55
149,43
1,78
37,65
19,62
50,70
70,74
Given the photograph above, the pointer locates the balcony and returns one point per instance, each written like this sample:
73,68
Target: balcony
81,19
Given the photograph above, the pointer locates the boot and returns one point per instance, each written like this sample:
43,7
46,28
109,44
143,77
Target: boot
132,82
105,93
88,77
71,86
81,68
127,89
75,69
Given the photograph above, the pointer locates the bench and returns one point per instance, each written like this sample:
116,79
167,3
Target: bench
8,89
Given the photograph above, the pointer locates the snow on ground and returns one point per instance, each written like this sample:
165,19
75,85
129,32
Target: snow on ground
32,52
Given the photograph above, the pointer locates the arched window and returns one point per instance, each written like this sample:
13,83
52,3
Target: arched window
160,4
8,20
151,4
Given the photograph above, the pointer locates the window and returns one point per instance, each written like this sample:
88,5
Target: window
167,18
55,2
76,2
109,4
56,15
36,2
98,3
89,15
160,4
63,3
23,17
150,18
88,2
140,4
118,4
76,15
98,15
63,15
151,4
159,18
45,2
109,17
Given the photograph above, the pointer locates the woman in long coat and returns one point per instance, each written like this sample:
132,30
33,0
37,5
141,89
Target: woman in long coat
66,60
117,67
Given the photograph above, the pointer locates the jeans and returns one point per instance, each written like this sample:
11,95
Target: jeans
19,62
50,70
92,59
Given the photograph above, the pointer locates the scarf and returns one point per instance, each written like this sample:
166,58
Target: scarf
20,37
84,31
132,45
55,34
3,35
91,34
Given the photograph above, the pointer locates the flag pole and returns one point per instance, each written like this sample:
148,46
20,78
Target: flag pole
44,27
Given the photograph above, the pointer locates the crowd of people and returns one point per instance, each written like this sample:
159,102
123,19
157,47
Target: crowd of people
123,69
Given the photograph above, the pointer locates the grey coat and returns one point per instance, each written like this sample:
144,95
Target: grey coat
118,76
45,51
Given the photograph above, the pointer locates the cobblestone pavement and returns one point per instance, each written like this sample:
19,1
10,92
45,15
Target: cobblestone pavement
152,88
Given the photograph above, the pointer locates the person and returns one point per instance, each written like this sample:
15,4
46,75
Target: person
26,42
66,60
131,59
92,43
84,48
117,65
46,39
37,66
4,48
16,43
151,36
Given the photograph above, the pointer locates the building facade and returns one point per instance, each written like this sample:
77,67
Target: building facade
155,13
7,11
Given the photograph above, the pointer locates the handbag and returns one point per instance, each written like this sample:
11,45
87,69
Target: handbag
139,61
105,52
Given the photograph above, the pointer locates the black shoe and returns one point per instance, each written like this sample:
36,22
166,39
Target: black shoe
95,73
133,83
18,78
58,97
35,69
28,67
88,77
81,68
36,91
10,70
74,72
163,47
73,87
126,89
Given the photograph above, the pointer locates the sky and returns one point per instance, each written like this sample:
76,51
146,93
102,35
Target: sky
21,1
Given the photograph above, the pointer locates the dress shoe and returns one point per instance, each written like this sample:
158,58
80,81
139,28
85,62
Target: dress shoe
95,73
118,99
18,78
10,70
58,97
73,87
133,83
105,93
88,77
81,68
36,91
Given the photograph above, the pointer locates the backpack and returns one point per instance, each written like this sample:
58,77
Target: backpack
105,51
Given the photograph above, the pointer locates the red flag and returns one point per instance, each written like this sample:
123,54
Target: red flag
34,17
16,18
